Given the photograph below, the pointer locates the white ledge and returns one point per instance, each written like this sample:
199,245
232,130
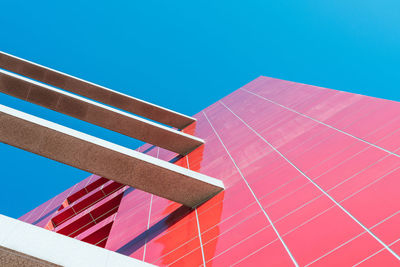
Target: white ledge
106,159
30,242
98,114
94,91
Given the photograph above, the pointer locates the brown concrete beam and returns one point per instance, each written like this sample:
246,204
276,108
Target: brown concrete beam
94,91
106,159
13,258
98,114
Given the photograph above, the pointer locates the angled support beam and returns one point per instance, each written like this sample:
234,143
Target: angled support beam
106,159
94,91
98,114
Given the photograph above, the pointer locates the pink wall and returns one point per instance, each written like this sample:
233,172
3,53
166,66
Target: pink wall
311,176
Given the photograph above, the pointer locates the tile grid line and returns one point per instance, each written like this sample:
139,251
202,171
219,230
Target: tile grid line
347,179
291,230
69,193
198,223
335,186
43,211
319,188
148,225
312,218
249,217
258,202
331,156
325,139
241,221
289,193
370,256
327,125
148,220
329,136
353,238
317,215
236,244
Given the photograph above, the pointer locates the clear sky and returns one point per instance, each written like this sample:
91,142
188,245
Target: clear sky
185,55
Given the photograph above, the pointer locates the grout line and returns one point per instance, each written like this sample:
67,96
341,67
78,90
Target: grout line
265,213
243,240
317,186
285,184
368,185
327,125
300,225
201,242
148,226
101,240
254,252
329,252
51,202
148,220
375,253
336,248
198,222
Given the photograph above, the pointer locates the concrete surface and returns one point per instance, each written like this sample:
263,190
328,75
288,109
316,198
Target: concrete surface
98,114
106,159
94,91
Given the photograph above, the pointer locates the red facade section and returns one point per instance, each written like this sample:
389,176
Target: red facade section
311,177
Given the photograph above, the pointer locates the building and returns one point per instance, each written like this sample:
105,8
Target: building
311,177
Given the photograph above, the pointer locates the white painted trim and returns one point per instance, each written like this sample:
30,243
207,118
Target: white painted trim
108,108
111,146
102,87
58,249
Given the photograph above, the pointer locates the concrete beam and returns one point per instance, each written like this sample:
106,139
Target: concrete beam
94,91
14,258
98,114
29,245
106,159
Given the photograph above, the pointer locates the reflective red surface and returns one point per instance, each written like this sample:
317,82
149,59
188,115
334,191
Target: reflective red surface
311,176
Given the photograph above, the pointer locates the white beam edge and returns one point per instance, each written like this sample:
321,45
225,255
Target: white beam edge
111,146
102,87
56,248
82,99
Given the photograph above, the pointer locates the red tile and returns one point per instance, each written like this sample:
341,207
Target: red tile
390,142
193,259
321,235
239,249
267,181
350,252
377,202
292,201
302,214
170,241
231,237
350,167
396,247
383,258
388,230
211,230
178,255
374,119
384,130
273,254
364,177
335,160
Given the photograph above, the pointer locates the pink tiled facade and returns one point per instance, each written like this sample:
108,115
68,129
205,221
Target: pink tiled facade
312,177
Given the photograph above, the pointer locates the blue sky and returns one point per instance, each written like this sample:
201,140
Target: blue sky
185,55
